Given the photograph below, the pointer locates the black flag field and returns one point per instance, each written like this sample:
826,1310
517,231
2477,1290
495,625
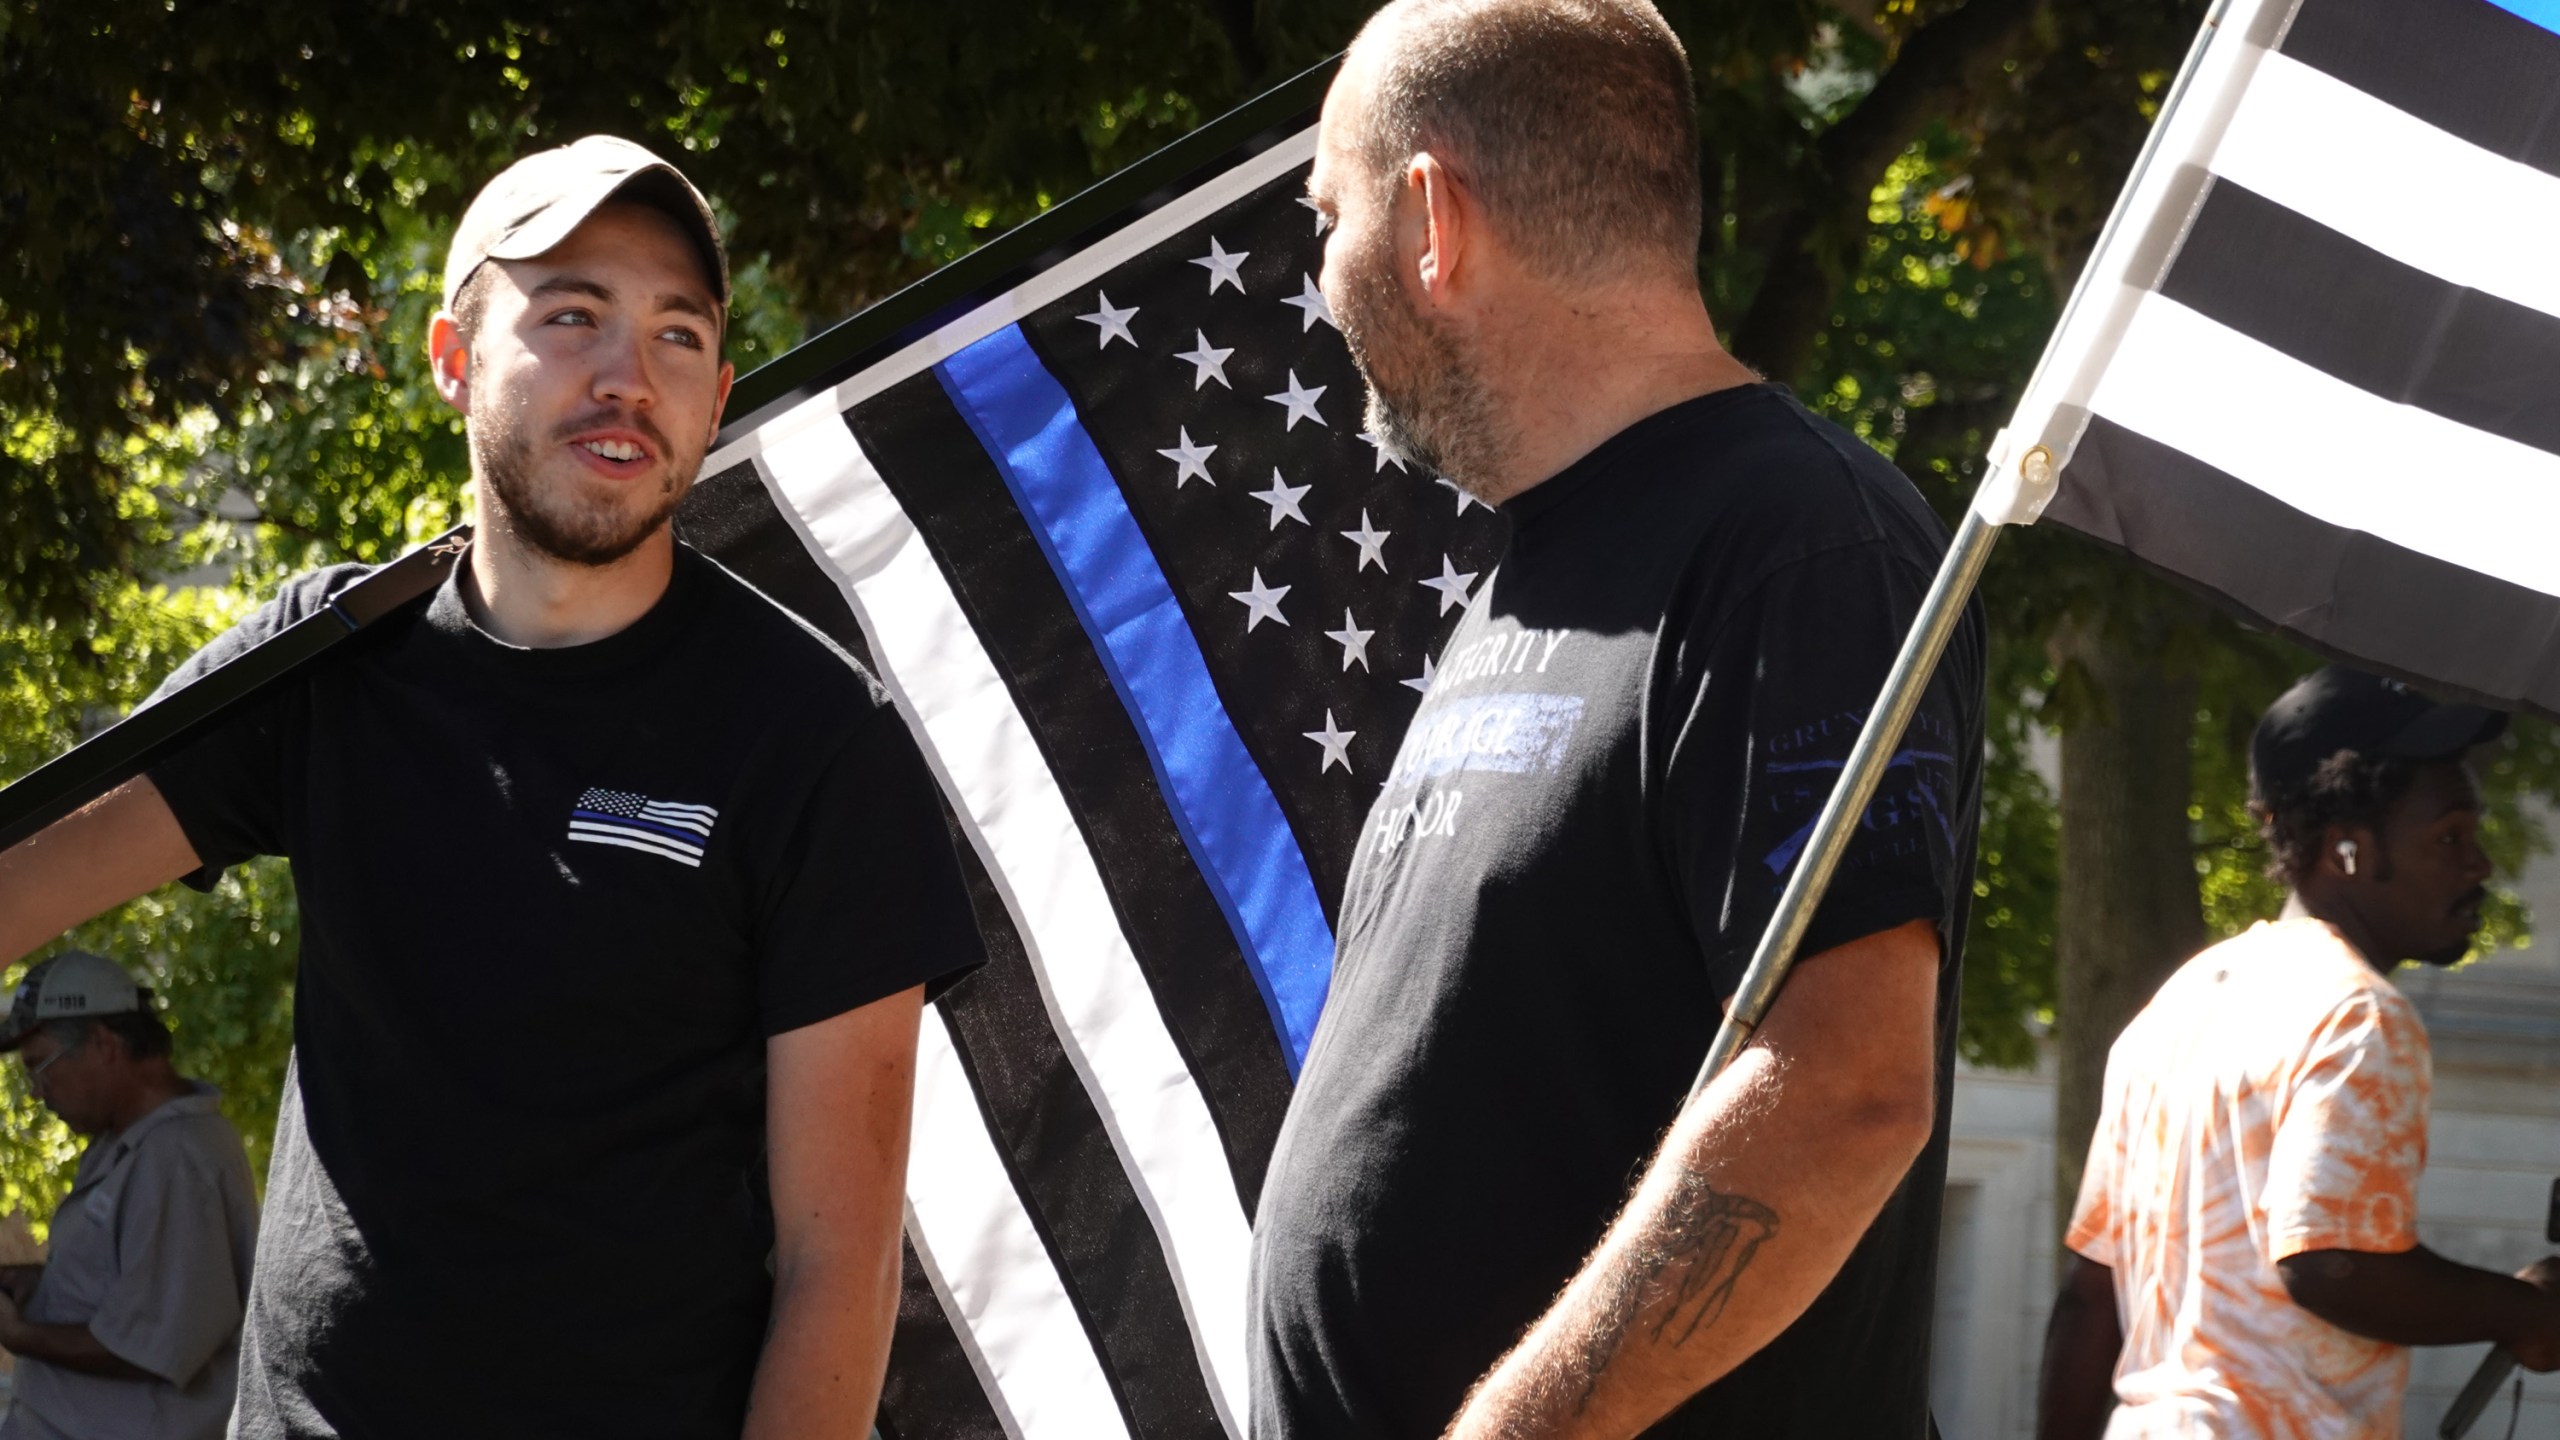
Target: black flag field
1096,505
2311,369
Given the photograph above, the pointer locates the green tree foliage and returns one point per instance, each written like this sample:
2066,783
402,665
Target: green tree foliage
223,961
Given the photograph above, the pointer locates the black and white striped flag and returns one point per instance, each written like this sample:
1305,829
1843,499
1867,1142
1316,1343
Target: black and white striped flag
2312,367
1095,505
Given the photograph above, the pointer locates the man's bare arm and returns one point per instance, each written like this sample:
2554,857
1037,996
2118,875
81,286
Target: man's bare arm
2082,1342
123,844
838,1095
1750,1207
2417,1297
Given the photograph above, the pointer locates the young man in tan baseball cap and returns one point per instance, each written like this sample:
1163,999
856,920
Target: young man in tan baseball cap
620,890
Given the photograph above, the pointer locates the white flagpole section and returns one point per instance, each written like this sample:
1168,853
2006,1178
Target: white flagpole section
2019,477
2141,233
983,752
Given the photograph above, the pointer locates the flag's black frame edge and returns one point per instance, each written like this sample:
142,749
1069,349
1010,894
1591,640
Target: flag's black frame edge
1019,253
131,745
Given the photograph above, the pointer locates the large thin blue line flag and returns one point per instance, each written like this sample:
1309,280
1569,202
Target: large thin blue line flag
1096,506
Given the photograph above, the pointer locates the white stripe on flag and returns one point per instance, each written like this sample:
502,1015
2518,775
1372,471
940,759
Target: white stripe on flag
705,811
2102,303
2333,451
624,839
989,1268
1098,999
2324,149
1064,278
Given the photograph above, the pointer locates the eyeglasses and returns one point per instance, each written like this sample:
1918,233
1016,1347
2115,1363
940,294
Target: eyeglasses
35,1073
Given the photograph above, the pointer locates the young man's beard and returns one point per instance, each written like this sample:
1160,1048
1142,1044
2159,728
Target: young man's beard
553,520
1427,403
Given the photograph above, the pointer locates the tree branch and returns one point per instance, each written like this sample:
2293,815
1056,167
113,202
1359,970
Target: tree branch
1937,67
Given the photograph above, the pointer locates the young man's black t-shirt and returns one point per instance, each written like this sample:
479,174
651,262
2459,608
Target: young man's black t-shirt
1611,776
553,904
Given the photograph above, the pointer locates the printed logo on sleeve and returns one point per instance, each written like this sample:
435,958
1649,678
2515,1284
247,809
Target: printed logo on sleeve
1801,769
636,822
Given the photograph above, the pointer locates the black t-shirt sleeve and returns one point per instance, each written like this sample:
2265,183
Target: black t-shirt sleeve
226,787
1778,690
869,899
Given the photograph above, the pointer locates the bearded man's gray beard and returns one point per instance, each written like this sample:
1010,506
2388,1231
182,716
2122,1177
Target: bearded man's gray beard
1427,401
557,524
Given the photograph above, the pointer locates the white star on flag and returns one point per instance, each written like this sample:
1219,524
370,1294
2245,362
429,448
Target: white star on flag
1207,361
1324,222
1452,585
1464,499
1336,743
1301,402
1261,603
1223,268
1386,457
1194,460
1369,538
1310,302
1421,682
1282,497
1114,324
1353,640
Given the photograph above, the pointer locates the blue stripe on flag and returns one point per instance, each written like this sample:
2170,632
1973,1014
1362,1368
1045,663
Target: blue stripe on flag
2545,13
690,837
1220,802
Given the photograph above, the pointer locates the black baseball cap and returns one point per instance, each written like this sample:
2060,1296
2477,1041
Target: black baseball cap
533,204
74,985
2339,708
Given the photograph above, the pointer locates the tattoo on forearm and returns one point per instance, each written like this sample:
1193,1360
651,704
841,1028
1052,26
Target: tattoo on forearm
1685,1271
1725,1233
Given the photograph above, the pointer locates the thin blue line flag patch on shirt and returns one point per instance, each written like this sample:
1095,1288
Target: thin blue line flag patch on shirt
636,822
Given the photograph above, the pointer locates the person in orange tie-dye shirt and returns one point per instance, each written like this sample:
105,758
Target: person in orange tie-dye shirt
2247,1264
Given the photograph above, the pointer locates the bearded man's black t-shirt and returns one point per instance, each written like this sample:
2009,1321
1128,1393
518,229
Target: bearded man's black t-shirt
553,903
1619,759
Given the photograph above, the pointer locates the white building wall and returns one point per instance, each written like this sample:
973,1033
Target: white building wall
1995,1256
2493,1149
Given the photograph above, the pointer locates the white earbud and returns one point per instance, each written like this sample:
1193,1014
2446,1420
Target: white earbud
2347,856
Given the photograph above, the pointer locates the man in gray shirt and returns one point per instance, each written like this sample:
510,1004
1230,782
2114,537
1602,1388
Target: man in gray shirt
131,1331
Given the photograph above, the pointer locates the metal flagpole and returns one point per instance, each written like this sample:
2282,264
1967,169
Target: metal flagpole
1847,807
2011,494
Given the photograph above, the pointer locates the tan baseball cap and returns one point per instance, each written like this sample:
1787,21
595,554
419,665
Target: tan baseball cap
74,985
533,204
